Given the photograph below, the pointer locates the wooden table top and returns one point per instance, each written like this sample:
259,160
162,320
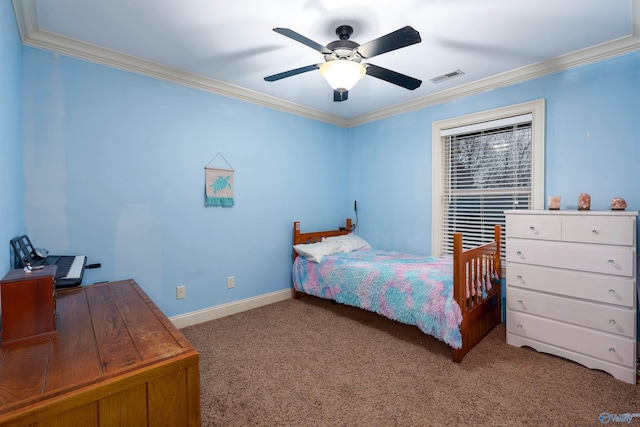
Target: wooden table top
104,332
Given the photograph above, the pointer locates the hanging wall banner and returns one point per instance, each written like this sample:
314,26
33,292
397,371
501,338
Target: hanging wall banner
218,184
218,187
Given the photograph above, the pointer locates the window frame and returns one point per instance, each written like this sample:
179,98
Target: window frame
536,108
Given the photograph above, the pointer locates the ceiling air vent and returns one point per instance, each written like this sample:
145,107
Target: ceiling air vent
447,76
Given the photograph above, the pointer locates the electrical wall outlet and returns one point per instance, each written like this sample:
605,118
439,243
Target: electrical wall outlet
181,292
230,282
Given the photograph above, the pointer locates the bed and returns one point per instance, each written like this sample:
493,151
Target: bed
455,300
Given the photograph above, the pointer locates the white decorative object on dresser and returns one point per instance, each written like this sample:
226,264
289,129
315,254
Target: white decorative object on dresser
571,286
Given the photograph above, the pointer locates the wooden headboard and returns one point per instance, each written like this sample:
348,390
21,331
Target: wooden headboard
316,236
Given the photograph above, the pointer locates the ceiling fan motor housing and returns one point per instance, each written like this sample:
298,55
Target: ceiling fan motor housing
343,48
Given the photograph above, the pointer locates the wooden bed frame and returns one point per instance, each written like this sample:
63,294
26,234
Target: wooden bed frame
479,315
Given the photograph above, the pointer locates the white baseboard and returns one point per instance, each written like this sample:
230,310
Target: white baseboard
204,315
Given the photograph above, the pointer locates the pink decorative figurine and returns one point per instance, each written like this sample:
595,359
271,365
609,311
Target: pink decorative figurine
584,202
554,203
618,204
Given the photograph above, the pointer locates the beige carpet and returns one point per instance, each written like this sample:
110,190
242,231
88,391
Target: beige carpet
310,363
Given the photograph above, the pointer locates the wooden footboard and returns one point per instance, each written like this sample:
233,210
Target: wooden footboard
476,268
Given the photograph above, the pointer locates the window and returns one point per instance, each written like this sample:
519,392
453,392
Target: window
484,164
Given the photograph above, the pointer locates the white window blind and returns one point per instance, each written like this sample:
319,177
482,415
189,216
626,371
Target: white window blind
486,169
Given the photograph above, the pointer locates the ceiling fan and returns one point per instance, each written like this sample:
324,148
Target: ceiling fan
343,66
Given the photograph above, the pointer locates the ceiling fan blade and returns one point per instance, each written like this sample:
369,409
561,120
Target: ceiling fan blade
393,77
302,39
400,38
290,73
340,96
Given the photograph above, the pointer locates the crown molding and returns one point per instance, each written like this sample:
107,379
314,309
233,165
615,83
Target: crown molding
26,17
565,62
31,35
561,63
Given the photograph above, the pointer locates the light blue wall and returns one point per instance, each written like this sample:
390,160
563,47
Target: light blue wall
11,171
114,167
592,146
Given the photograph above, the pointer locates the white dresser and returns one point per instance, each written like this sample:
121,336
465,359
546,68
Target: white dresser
571,286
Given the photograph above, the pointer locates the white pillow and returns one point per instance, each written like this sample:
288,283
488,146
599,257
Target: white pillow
352,242
315,251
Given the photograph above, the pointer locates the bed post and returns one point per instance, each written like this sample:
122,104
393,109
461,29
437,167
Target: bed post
296,234
458,271
296,238
497,231
459,293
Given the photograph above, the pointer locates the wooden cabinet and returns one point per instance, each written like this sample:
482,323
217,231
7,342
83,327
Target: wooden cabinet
116,361
28,305
571,286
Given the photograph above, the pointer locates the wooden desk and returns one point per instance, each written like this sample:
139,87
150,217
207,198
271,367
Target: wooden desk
117,361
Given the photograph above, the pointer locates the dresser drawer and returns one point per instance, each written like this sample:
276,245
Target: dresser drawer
542,227
597,316
593,343
595,287
607,230
615,260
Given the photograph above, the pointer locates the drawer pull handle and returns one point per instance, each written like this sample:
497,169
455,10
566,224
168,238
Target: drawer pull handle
520,278
520,301
519,253
595,231
519,325
533,230
612,350
612,291
612,321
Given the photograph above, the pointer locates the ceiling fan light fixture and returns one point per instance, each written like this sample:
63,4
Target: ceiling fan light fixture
342,74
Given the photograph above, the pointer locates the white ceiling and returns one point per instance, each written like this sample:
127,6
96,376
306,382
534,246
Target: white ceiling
228,47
